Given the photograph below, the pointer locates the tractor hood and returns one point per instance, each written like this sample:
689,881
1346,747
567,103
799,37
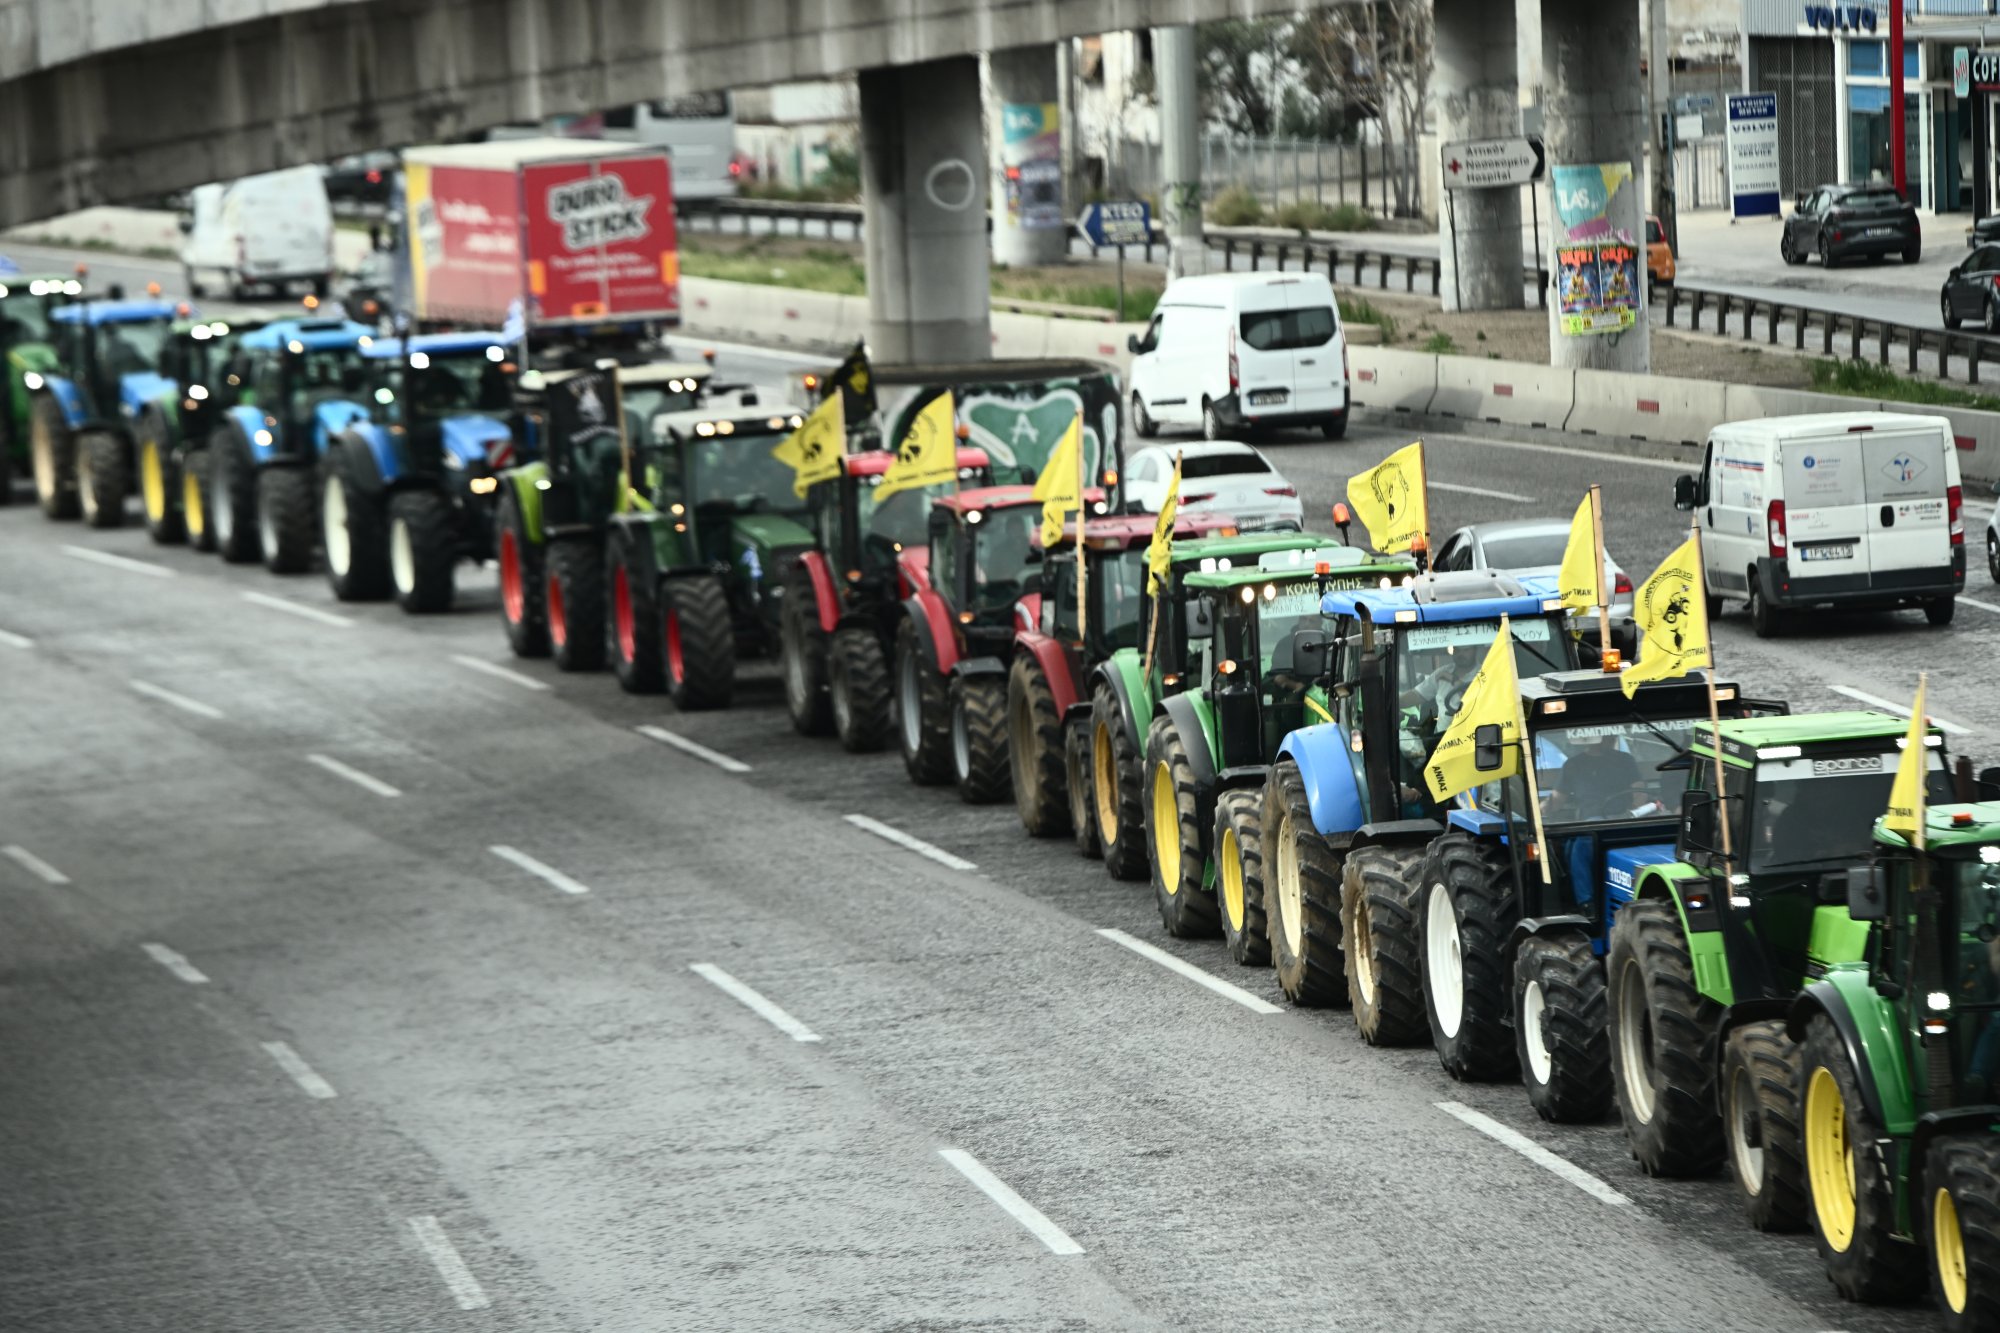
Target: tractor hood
335,415
470,439
772,534
141,388
1622,866
38,357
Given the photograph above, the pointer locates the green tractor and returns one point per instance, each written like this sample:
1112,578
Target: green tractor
197,357
26,348
1900,1053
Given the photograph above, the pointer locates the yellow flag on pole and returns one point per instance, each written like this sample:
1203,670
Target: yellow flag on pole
1672,613
1581,582
1906,796
1493,698
1059,488
1390,500
928,455
815,449
1160,554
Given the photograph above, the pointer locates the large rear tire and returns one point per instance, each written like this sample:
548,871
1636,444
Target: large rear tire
1760,1116
1852,1184
232,496
524,606
1036,740
575,590
637,639
194,499
1082,800
1468,909
858,689
159,479
1239,877
698,642
979,738
52,455
423,551
103,478
286,526
802,651
1118,786
1379,891
1181,886
353,530
1559,1028
1663,1045
1301,896
923,709
1960,1223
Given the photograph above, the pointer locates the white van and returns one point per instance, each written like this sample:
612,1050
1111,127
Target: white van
267,231
1236,353
1850,509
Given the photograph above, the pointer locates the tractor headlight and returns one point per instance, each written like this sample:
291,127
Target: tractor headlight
32,381
1937,1001
484,485
454,462
263,437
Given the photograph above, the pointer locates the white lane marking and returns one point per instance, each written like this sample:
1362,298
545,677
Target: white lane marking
1536,1153
1481,490
33,864
180,701
536,868
119,561
1983,606
513,677
753,1001
1900,710
917,845
1596,456
699,751
444,1257
13,640
301,1072
353,775
291,607
175,964
1243,997
1018,1208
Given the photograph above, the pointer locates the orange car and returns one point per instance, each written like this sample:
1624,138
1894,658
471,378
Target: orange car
1659,254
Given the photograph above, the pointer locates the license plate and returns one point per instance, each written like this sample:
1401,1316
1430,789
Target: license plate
1881,231
1843,551
1266,397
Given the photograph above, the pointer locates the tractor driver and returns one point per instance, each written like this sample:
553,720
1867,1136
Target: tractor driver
1428,706
1598,779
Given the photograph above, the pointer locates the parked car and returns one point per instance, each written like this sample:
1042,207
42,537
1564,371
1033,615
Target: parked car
1222,475
1839,222
1985,230
1971,291
1526,547
1660,265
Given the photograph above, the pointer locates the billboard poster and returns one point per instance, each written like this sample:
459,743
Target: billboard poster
1598,287
600,240
1753,155
465,257
1031,165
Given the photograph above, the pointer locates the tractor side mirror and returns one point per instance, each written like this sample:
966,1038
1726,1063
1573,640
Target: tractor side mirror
1487,751
1685,493
1700,821
185,223
1989,784
1309,649
1200,620
1867,893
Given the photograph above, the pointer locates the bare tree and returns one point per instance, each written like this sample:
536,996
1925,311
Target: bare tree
1374,59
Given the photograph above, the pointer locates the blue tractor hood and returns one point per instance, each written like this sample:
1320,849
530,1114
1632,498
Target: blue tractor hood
1622,866
467,439
142,388
332,416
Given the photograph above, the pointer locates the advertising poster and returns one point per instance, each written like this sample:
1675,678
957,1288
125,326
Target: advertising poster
1031,165
1598,286
1753,155
601,242
465,259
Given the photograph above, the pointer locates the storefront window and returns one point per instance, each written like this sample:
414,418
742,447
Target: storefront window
1865,60
1868,131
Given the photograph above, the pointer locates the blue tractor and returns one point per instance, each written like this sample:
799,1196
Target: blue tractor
1347,816
408,493
83,417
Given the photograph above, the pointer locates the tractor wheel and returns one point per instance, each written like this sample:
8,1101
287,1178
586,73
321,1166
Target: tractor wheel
1036,739
1960,1223
1301,896
638,638
352,529
194,500
1852,1184
524,606
6,460
1467,911
52,451
423,551
1663,1033
1082,800
1239,877
923,710
1760,1117
1173,834
802,653
103,478
1559,1028
232,496
1379,892
858,687
159,486
979,738
698,640
1118,787
574,586
285,518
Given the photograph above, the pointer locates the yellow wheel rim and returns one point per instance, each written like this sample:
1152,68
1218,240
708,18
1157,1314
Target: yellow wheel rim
1166,829
152,481
1829,1162
1948,1249
1104,778
197,521
1229,872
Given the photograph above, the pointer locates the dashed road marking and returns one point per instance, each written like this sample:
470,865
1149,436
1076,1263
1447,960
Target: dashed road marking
1536,1153
13,640
1018,1208
753,1001
1255,1004
695,748
1508,496
175,964
300,609
180,701
538,869
124,562
1900,710
302,1073
444,1257
493,669
917,845
1983,606
33,864
353,775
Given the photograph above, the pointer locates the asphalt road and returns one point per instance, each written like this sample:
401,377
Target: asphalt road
356,976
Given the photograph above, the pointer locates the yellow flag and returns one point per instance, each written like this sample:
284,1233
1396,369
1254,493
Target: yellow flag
1160,554
1058,488
814,450
1389,499
1581,582
1672,613
1493,698
928,455
1906,797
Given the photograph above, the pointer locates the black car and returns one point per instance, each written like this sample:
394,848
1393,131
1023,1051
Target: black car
1983,232
1972,290
363,180
1839,222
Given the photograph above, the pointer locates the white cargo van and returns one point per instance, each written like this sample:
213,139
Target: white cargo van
1238,353
1851,509
267,231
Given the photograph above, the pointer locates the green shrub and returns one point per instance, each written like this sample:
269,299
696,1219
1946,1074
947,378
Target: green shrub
1235,207
1357,310
1440,344
1310,215
1862,379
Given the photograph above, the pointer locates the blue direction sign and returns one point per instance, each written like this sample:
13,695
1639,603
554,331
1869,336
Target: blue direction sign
1125,223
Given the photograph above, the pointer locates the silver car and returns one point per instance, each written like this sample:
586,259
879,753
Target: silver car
1526,546
1220,475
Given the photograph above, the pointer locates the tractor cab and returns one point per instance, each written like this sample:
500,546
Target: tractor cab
862,538
110,352
308,379
1114,554
984,564
446,399
727,502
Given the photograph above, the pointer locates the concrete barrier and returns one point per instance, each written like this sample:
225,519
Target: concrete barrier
1747,402
1646,407
1503,391
1386,380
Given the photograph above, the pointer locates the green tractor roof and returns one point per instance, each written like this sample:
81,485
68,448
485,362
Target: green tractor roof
1976,824
1246,546
1300,562
1743,739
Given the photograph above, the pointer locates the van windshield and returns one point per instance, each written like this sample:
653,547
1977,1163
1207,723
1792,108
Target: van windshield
1282,330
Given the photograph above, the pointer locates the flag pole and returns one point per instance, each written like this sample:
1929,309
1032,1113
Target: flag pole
1155,584
1603,593
1528,766
1082,509
1714,709
1424,471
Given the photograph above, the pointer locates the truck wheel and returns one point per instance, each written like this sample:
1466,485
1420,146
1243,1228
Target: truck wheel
232,496
923,710
194,500
1239,877
1467,911
159,484
285,518
1118,787
574,586
1939,611
858,688
356,539
1663,1057
1379,891
1853,1189
1180,869
1302,896
423,553
1036,738
1960,1223
52,452
1559,1028
1082,801
1335,426
979,738
1760,1116
102,479
638,640
1766,620
802,655
698,641
524,607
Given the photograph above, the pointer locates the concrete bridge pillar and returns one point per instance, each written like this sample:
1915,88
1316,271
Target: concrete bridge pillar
923,192
1030,221
1478,98
1180,151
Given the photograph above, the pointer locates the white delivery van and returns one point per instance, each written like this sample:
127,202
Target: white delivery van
1860,510
1239,353
267,231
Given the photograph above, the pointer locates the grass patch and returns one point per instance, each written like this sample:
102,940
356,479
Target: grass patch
1440,344
1140,298
1357,310
813,271
797,194
1308,215
1236,207
1862,379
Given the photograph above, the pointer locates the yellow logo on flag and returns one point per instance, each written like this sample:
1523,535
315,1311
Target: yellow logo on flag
1160,553
928,455
1390,501
1581,582
815,449
1672,614
1906,795
1060,487
1492,699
